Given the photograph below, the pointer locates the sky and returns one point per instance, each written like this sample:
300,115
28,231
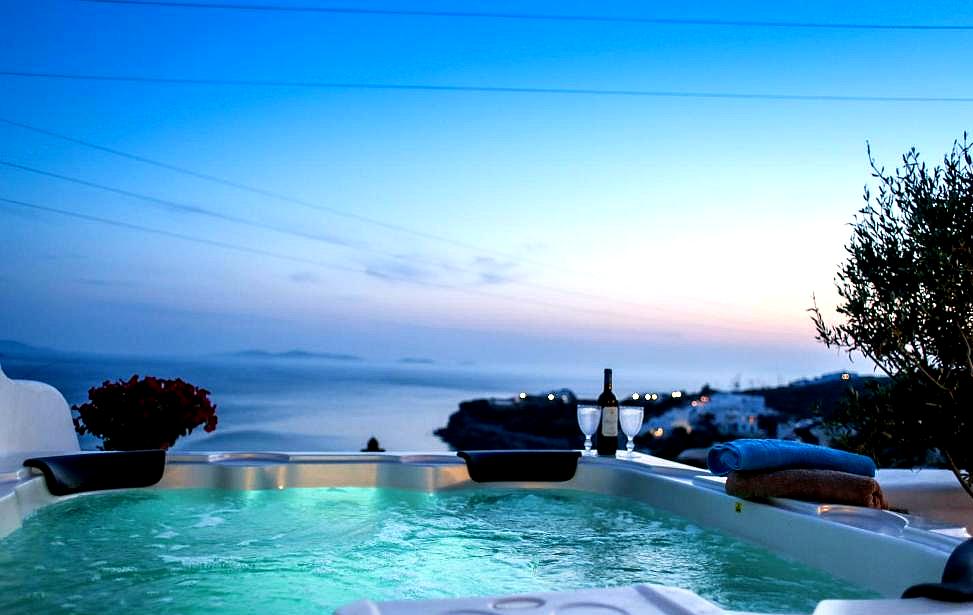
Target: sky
494,227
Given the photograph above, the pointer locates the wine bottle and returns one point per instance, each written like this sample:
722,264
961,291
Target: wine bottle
608,430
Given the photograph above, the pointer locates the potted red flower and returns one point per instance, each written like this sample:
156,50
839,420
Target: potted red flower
144,413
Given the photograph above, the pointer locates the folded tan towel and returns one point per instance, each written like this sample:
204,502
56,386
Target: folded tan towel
826,486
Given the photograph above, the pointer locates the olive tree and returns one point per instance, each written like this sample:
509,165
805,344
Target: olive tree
906,303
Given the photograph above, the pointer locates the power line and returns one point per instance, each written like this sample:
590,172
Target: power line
622,19
288,257
296,259
181,236
337,85
195,209
182,207
283,197
270,193
264,192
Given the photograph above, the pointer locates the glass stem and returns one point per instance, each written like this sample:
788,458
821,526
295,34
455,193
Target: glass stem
631,445
587,443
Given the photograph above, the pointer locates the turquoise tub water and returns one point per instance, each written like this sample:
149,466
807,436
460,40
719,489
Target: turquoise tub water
308,550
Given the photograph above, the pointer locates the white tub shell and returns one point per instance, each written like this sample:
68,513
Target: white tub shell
880,550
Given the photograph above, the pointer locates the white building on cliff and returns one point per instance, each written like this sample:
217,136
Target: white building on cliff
732,414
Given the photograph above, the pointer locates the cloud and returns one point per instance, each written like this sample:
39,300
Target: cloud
398,271
305,277
494,278
491,271
420,269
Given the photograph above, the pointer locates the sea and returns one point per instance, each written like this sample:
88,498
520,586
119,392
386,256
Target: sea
311,403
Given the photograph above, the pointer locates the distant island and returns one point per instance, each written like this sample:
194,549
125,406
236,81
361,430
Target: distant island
12,349
416,361
295,354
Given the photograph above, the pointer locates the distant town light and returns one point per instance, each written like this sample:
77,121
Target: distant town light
655,396
676,394
694,403
565,399
550,397
704,398
523,395
658,432
846,376
635,396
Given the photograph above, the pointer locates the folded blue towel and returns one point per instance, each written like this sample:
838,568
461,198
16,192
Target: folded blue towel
749,454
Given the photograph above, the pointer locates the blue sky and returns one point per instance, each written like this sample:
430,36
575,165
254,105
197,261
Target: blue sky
671,232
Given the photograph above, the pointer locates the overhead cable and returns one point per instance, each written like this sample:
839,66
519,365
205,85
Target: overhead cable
617,19
486,89
273,194
287,257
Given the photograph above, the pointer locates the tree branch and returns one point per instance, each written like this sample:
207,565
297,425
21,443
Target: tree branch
958,473
969,351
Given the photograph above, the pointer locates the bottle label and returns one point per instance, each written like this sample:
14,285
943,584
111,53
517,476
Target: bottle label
609,421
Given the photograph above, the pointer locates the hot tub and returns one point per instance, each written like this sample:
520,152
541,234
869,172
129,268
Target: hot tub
300,533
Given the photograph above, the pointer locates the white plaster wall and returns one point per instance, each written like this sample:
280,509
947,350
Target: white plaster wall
34,417
928,492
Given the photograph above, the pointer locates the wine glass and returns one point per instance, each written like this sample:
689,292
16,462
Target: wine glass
588,419
631,419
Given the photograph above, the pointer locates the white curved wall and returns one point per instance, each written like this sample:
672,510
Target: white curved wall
34,417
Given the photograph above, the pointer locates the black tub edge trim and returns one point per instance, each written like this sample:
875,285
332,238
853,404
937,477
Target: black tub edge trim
515,466
957,583
69,474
